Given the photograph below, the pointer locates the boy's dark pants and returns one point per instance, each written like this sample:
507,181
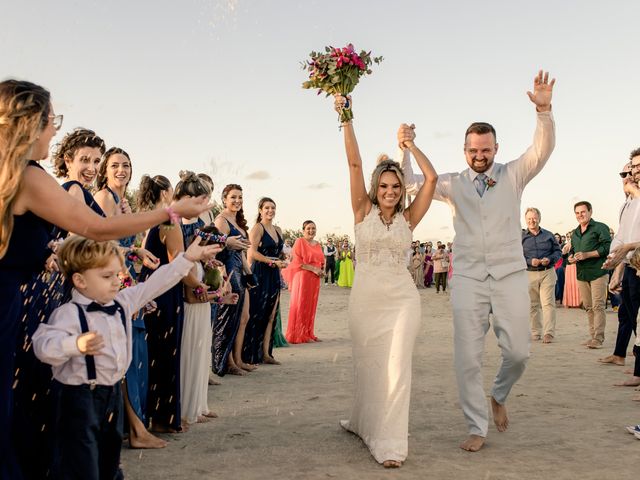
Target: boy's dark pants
89,432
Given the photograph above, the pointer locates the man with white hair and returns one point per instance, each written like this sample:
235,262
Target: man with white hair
541,252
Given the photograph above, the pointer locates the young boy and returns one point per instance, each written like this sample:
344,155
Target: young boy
88,343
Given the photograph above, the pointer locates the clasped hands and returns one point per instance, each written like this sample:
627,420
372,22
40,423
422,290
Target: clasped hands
406,136
537,262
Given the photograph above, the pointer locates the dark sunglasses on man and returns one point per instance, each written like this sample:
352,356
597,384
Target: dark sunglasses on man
624,174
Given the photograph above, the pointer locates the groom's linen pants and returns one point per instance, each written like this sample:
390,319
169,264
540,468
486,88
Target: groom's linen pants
472,300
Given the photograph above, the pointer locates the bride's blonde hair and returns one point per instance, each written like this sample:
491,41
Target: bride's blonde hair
24,113
385,164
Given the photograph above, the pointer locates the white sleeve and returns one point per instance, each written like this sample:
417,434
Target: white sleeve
531,162
443,188
55,342
165,277
412,181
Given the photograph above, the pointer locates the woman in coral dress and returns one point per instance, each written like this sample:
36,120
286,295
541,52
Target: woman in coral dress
303,276
571,296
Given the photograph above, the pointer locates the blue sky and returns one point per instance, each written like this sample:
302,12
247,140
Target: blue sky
214,86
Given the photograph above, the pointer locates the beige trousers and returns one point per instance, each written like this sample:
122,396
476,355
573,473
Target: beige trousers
594,297
542,291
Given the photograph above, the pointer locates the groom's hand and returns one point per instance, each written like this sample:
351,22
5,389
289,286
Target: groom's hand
542,91
406,135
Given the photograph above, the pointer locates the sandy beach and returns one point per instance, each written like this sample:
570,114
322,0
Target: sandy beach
281,422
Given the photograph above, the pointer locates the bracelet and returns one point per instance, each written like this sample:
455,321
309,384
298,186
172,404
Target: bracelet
173,216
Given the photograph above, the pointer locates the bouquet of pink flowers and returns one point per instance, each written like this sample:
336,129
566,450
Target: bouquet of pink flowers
338,71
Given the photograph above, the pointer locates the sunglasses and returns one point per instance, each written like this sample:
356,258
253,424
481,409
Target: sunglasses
624,174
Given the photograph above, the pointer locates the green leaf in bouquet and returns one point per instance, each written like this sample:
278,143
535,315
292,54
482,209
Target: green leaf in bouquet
213,278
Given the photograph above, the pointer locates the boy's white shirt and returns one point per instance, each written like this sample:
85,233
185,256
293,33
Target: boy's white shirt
55,342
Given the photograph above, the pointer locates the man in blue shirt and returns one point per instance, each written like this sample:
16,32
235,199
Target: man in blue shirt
541,251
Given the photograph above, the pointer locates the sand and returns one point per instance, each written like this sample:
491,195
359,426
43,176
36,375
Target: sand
281,422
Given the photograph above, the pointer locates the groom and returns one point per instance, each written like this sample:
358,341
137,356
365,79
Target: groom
489,274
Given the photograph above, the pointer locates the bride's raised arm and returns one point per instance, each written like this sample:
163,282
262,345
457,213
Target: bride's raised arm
360,202
414,212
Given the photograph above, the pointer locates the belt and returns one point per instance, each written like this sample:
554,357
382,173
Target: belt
90,386
539,269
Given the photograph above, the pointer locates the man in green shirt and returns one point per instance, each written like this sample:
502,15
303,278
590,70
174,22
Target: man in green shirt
590,243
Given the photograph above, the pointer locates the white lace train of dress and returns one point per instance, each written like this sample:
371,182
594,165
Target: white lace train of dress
384,319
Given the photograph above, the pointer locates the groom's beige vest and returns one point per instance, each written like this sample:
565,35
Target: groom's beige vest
488,237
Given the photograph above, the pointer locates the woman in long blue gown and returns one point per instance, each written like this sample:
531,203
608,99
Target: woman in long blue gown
264,254
231,222
75,159
164,325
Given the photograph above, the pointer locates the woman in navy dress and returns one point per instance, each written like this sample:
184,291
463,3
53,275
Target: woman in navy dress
114,175
264,257
230,324
164,325
30,201
76,159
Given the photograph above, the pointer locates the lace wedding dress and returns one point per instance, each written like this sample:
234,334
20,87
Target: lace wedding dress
384,318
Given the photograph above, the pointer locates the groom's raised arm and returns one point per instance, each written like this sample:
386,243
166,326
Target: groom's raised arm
535,158
413,181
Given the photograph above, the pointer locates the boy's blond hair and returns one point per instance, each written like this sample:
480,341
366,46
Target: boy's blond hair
78,254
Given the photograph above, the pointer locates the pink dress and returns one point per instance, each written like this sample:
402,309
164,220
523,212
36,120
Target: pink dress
571,297
305,289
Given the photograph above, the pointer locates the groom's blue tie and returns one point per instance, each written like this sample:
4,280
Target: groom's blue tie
480,183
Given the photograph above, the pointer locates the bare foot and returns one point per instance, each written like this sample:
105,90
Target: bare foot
166,429
213,380
586,342
612,360
146,440
535,338
247,367
270,360
632,382
236,371
547,338
210,414
636,398
202,419
499,415
473,443
391,464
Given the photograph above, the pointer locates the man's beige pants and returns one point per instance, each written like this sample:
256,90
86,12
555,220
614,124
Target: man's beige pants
594,297
542,291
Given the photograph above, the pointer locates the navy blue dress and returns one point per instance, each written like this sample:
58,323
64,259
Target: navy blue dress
25,256
225,328
137,376
164,335
264,299
34,405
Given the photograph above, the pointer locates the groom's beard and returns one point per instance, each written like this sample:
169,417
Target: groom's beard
481,166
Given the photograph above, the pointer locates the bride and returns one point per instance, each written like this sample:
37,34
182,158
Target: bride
384,307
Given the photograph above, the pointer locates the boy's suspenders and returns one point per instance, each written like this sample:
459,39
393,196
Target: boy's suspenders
84,326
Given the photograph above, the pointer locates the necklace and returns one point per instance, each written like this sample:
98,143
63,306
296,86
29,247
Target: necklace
385,222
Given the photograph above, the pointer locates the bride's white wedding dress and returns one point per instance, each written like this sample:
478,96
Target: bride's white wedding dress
384,318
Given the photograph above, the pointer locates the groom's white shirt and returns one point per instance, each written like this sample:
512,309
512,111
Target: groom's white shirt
488,237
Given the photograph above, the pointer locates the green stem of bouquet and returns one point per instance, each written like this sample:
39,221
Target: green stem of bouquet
346,114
